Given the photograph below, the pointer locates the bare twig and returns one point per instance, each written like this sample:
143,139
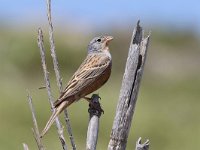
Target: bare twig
142,146
57,72
129,90
35,129
25,146
47,82
69,130
93,127
52,44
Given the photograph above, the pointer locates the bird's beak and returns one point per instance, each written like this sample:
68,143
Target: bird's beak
108,39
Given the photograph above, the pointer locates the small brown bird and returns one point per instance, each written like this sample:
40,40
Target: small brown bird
90,76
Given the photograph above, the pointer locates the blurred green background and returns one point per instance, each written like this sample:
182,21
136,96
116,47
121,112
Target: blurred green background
167,110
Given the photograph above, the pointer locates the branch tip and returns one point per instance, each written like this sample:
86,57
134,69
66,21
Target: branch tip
142,146
138,34
138,22
129,92
25,146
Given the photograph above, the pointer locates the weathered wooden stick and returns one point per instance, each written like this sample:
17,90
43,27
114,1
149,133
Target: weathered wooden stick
93,126
140,146
48,87
35,125
57,72
129,90
25,146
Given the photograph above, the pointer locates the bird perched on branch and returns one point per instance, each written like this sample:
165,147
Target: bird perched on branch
90,76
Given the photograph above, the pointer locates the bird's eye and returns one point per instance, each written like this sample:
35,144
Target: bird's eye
98,40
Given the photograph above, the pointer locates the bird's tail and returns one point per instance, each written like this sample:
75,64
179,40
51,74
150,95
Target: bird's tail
57,111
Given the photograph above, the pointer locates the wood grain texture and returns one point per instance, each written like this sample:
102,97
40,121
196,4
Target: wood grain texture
129,90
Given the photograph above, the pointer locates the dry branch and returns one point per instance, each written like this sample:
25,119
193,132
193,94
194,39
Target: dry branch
57,72
52,45
142,146
93,126
48,87
129,90
35,129
25,146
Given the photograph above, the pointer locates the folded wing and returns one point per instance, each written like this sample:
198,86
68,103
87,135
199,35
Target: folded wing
92,67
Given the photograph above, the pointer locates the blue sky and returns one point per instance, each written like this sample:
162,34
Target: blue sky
98,13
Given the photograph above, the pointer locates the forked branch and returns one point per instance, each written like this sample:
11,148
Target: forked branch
142,146
129,90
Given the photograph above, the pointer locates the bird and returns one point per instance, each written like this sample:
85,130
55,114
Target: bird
94,72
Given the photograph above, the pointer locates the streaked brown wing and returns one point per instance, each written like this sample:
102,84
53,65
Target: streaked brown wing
90,69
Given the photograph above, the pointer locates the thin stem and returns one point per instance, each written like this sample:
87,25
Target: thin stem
48,87
57,72
52,45
35,125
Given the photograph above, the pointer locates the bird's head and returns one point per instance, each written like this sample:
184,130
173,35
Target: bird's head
99,44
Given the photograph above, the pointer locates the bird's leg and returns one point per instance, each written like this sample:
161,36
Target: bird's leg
87,99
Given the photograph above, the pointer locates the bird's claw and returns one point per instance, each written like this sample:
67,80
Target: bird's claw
94,105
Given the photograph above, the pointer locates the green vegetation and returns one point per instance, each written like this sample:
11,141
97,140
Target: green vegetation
167,110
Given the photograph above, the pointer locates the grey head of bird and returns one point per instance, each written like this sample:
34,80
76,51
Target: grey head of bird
99,44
